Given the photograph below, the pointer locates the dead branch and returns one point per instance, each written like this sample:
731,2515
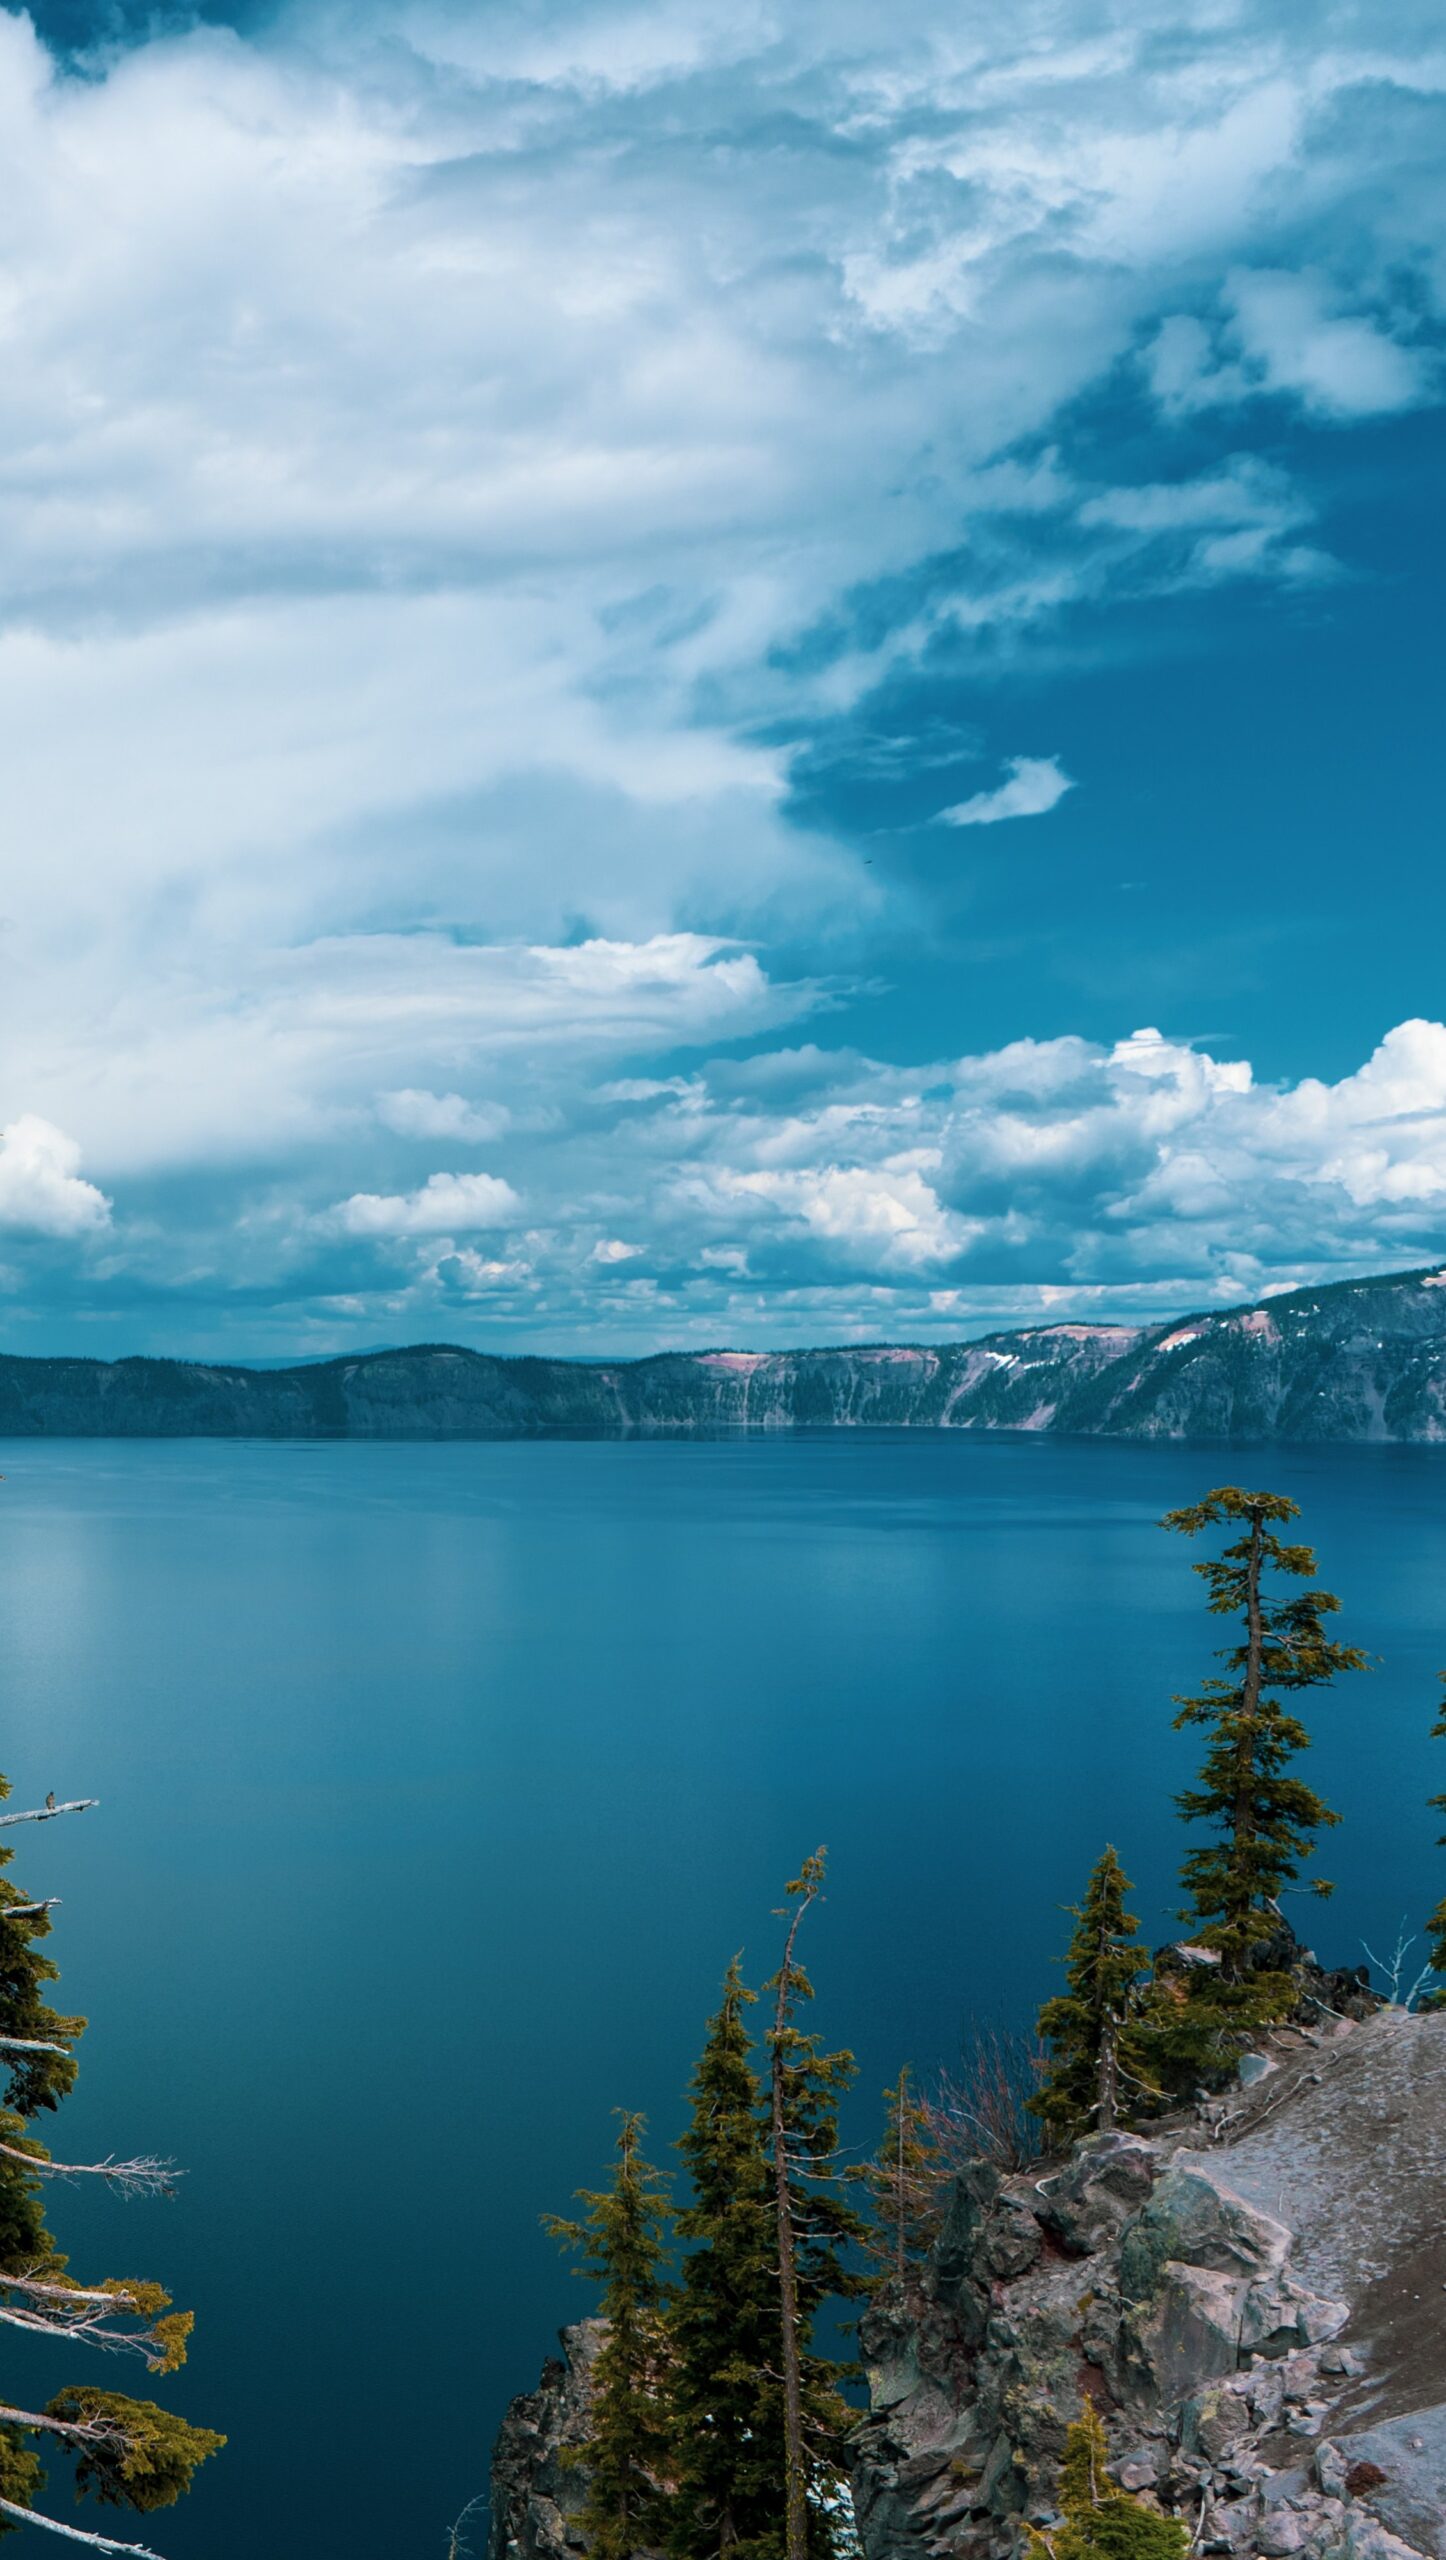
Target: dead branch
77,2430
42,2285
90,2328
73,2533
29,2044
24,1910
137,2177
48,1812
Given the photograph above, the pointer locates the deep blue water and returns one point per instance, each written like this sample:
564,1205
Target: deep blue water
439,1784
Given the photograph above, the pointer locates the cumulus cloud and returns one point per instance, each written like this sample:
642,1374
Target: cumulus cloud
445,1204
1035,785
41,1191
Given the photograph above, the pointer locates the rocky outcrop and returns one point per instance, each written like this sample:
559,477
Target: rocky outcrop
537,2493
1365,1360
1254,2306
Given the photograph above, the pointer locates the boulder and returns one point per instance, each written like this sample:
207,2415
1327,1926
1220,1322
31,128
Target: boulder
1104,2183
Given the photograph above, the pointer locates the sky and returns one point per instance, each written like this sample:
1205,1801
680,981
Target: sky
699,673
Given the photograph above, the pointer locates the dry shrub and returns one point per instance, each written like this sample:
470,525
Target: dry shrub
980,2111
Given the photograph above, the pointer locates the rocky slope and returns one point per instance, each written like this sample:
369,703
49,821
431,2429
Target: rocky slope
1254,2300
1257,2316
1364,1360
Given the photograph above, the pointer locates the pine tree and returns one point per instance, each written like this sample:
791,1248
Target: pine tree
1264,1819
128,2453
1436,1925
905,2181
620,2241
726,2400
815,2226
1099,2049
1101,2521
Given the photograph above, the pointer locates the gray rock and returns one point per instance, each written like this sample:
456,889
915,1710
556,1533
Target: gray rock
537,2495
1189,2334
1106,2181
1198,2220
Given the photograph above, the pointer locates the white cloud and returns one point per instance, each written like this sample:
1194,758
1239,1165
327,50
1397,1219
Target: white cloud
446,1204
415,1114
1035,785
612,1249
1343,364
41,1192
1289,331
433,472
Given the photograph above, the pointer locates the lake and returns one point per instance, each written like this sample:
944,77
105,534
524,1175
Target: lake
439,1783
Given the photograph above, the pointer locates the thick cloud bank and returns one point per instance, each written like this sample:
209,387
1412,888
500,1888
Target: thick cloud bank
454,467
807,1192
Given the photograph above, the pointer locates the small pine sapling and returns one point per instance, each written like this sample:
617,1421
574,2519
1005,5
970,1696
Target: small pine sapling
1099,2520
906,2182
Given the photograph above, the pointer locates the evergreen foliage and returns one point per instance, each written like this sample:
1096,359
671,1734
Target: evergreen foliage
1099,2047
1102,2522
816,2226
141,2457
620,2243
1264,1819
726,2400
1436,1925
134,2454
905,2182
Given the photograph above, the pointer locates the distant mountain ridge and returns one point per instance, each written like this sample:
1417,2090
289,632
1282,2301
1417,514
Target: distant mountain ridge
1360,1360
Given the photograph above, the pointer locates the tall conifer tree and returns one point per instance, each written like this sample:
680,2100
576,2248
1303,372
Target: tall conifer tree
726,2397
1436,1925
1264,1819
1099,2054
815,2227
620,2242
127,2452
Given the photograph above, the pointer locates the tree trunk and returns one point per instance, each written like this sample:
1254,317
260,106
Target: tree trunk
795,2470
1242,1816
1108,2080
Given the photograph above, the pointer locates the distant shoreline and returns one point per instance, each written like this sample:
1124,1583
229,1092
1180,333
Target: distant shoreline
1357,1361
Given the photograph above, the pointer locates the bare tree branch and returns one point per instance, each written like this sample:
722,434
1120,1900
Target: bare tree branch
77,2430
48,1812
29,2044
101,2294
90,2328
72,2532
23,1910
143,2177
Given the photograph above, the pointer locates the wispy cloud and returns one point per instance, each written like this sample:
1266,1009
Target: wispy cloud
1034,785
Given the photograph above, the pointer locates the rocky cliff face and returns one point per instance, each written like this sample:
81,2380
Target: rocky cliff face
1362,1361
1257,2315
537,2493
1254,2300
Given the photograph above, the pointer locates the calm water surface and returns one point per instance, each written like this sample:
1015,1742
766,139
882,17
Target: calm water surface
439,1784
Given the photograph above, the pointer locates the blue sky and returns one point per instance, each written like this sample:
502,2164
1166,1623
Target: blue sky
694,673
